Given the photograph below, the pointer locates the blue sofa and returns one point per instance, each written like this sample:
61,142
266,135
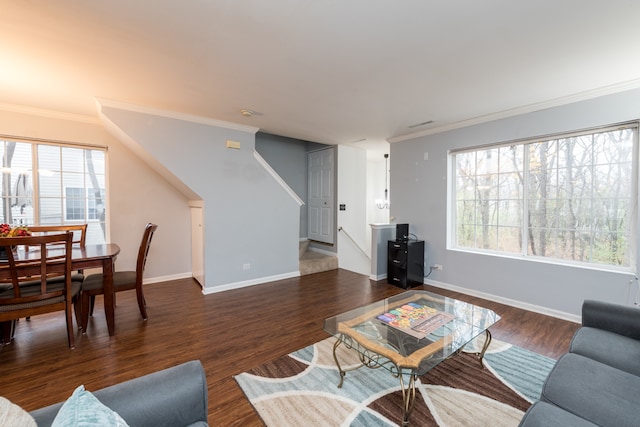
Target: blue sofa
173,397
597,383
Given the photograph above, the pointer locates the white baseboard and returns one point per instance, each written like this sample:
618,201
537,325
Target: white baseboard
507,301
159,279
246,283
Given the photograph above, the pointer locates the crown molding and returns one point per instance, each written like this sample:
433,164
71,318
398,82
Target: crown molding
102,102
51,114
583,96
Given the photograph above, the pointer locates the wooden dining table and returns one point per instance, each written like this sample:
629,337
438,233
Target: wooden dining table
89,256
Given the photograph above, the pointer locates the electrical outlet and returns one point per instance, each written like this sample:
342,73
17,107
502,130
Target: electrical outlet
437,266
246,266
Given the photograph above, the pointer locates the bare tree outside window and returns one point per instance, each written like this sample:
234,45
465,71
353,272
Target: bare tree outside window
576,194
96,189
17,196
9,149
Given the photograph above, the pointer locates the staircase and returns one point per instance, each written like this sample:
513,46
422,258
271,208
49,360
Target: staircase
315,262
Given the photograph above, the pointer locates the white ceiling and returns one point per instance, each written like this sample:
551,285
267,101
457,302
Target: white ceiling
331,71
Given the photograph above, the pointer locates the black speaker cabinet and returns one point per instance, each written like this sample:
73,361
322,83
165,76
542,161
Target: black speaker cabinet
402,231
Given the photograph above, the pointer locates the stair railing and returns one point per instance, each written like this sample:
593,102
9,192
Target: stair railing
354,242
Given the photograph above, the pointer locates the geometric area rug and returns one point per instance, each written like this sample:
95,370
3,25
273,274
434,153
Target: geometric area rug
300,389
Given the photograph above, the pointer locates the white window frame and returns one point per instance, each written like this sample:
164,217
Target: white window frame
452,220
95,232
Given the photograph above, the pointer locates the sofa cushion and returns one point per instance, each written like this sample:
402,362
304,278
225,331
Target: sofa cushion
612,349
82,409
543,414
616,318
592,390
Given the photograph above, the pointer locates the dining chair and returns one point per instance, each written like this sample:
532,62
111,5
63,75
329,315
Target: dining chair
122,280
30,290
79,231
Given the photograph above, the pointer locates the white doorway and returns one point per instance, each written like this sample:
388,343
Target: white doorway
197,244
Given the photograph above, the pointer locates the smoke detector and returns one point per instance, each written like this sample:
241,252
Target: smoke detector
247,113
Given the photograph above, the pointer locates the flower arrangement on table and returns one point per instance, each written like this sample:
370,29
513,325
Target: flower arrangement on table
8,231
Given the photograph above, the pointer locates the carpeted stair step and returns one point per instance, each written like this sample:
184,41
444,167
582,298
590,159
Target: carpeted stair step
316,262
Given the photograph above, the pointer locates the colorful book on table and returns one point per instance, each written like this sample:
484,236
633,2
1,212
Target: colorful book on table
415,319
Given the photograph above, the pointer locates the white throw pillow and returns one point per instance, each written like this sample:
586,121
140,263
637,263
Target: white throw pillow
11,415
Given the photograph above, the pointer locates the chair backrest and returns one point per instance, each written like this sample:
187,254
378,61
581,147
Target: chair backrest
79,231
149,229
34,267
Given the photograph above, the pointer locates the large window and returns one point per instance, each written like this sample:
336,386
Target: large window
68,186
570,198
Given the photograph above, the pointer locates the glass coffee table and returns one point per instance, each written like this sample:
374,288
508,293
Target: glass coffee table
409,334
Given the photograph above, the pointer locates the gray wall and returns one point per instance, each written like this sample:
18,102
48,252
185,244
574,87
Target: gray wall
419,197
248,217
288,157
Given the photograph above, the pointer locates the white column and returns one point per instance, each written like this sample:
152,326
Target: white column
380,235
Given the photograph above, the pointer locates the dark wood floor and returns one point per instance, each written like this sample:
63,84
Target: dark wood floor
230,332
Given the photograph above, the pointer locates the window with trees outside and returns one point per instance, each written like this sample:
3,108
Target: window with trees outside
570,198
50,184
